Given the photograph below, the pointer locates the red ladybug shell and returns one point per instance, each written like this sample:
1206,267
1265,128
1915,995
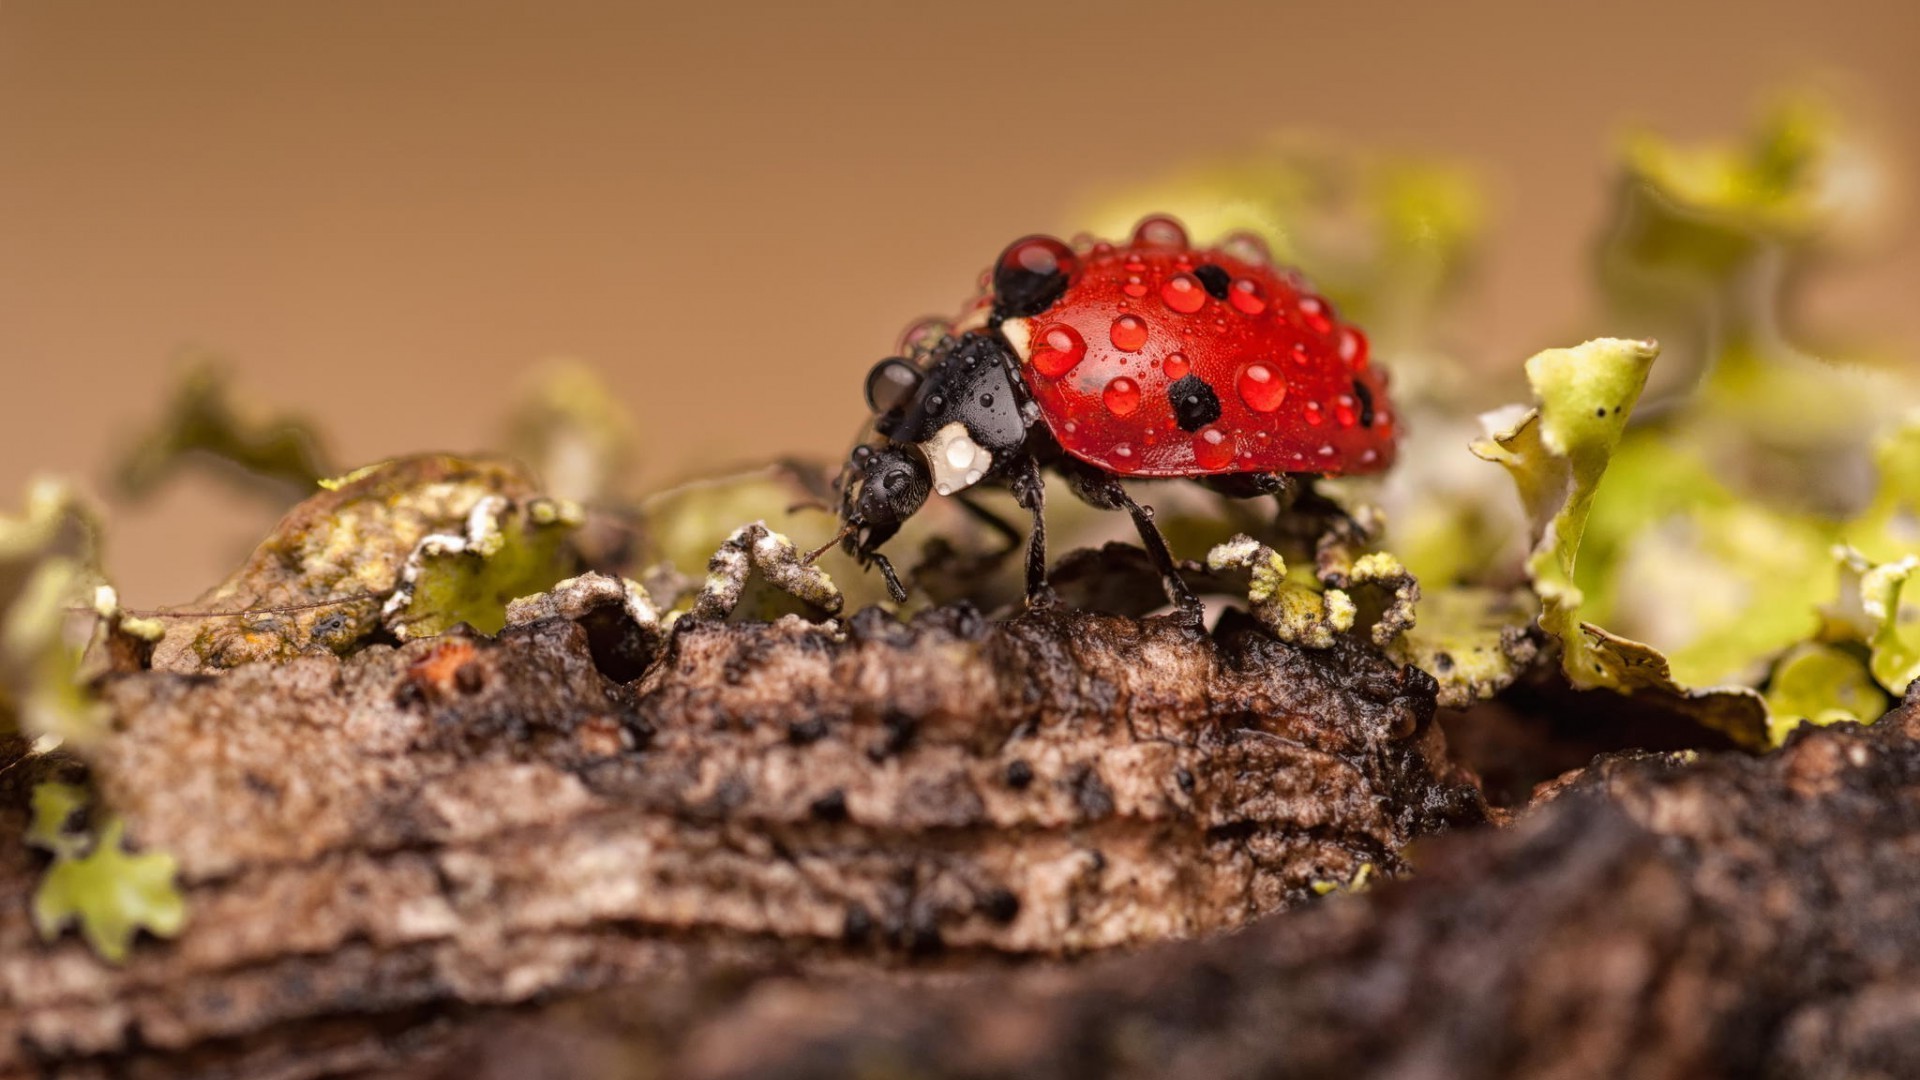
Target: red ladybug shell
1124,363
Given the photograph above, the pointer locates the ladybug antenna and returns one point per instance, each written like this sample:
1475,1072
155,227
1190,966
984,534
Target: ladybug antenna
815,554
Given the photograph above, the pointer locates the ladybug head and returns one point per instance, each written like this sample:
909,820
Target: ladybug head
882,487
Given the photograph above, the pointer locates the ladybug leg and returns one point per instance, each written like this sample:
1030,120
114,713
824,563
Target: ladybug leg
1106,492
1000,526
1030,491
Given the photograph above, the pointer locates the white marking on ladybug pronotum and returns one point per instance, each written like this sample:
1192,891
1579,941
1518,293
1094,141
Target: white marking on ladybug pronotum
955,459
1019,334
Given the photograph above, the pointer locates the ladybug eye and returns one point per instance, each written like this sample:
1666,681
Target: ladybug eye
1031,275
891,384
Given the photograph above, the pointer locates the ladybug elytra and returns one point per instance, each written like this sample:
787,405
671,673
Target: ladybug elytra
1106,362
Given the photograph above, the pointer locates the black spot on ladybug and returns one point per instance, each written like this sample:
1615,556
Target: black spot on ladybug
1215,279
1030,277
1019,775
1365,397
1195,405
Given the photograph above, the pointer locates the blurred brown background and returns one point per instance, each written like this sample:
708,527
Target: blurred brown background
384,213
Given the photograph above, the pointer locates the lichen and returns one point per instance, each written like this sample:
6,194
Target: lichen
206,420
94,882
49,578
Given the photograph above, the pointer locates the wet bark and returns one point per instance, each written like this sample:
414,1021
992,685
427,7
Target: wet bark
373,849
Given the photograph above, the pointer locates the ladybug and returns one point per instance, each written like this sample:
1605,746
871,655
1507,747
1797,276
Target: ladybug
1107,362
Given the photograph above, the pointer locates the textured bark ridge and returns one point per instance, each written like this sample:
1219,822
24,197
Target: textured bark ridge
372,846
1653,916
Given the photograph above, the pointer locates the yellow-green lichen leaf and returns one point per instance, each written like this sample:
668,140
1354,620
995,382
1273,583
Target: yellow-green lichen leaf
325,580
1869,610
1820,684
574,433
54,805
1556,454
111,894
506,551
1292,605
205,420
48,575
1473,641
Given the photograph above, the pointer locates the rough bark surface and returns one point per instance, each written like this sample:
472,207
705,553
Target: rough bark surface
373,848
1652,916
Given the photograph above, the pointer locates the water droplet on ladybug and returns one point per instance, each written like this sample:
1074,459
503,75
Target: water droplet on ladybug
973,476
1247,296
1325,451
1159,231
1057,349
1300,353
1262,388
1316,314
1353,348
936,404
1343,411
1313,414
960,453
923,335
1134,287
1123,451
1129,333
1184,293
1175,365
1134,265
891,384
1031,275
1248,247
986,401
1369,456
1103,247
943,488
1122,396
1213,448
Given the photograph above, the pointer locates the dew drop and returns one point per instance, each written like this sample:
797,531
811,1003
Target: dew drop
1343,411
1159,231
943,488
1353,348
1316,314
1134,287
1313,414
1129,333
1262,388
1124,452
1248,247
973,476
1247,296
1122,396
1369,456
1175,365
1103,248
1059,348
1213,448
923,334
1184,293
986,401
1134,265
1326,450
960,453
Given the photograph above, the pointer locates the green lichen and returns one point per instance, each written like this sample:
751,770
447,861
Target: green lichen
206,421
49,576
95,883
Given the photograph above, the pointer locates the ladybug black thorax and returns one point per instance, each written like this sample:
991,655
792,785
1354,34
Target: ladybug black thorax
969,415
